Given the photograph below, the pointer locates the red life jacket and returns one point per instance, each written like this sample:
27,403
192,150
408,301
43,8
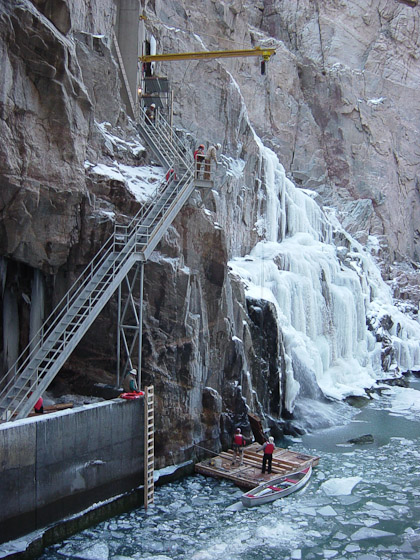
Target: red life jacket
269,448
238,439
171,173
39,403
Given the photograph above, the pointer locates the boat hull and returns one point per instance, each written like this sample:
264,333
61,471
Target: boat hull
277,488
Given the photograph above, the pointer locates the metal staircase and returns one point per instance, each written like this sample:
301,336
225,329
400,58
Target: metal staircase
167,146
37,366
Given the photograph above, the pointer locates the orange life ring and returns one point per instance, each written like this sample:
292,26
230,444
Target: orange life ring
131,396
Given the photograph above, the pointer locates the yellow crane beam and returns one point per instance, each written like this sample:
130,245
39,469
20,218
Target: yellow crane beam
258,51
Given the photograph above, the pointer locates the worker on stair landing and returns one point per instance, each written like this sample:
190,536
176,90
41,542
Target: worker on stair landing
199,158
210,156
150,114
239,443
268,448
130,382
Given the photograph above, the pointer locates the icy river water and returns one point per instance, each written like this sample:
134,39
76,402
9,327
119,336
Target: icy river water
363,502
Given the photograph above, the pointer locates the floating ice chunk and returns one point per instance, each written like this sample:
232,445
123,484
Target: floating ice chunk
370,522
235,507
327,511
405,401
340,486
308,511
347,500
98,551
379,507
367,533
185,509
296,554
352,548
330,553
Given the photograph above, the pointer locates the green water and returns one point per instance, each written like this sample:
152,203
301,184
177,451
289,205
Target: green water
363,502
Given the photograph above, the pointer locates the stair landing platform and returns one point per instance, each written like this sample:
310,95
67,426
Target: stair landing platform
248,475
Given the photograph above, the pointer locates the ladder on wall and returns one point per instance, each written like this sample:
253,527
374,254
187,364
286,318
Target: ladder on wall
39,363
149,446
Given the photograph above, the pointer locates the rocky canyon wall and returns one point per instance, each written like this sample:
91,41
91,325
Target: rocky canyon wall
337,105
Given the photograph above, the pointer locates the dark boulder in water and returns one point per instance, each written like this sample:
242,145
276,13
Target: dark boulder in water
367,438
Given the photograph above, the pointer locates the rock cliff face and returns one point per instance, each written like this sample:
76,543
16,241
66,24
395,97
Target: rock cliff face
338,105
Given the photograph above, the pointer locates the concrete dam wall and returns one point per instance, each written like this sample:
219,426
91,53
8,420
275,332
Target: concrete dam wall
59,464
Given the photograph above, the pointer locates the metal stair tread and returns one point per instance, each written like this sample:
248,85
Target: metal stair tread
86,301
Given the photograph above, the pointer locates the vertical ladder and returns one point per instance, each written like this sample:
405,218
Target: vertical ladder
149,445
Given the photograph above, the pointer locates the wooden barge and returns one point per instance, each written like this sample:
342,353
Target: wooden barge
249,475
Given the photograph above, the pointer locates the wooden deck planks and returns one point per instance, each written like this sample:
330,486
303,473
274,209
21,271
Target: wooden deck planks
249,474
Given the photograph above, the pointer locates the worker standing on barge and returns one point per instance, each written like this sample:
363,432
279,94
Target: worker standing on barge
268,448
239,443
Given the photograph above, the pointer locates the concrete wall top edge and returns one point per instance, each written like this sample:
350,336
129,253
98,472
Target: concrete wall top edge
66,412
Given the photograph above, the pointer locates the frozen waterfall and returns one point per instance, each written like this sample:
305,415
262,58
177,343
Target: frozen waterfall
323,294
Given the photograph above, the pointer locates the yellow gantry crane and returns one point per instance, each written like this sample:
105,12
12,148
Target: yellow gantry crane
264,53
257,51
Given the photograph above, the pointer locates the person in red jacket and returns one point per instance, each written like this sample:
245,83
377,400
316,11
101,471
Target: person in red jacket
39,406
170,175
268,448
239,443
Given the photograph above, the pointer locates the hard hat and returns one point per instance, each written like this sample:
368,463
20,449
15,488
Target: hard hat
271,439
132,372
201,146
153,105
218,146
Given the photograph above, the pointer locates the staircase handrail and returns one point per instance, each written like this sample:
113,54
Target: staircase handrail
27,394
136,236
184,150
134,231
162,130
162,123
150,230
84,277
174,185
